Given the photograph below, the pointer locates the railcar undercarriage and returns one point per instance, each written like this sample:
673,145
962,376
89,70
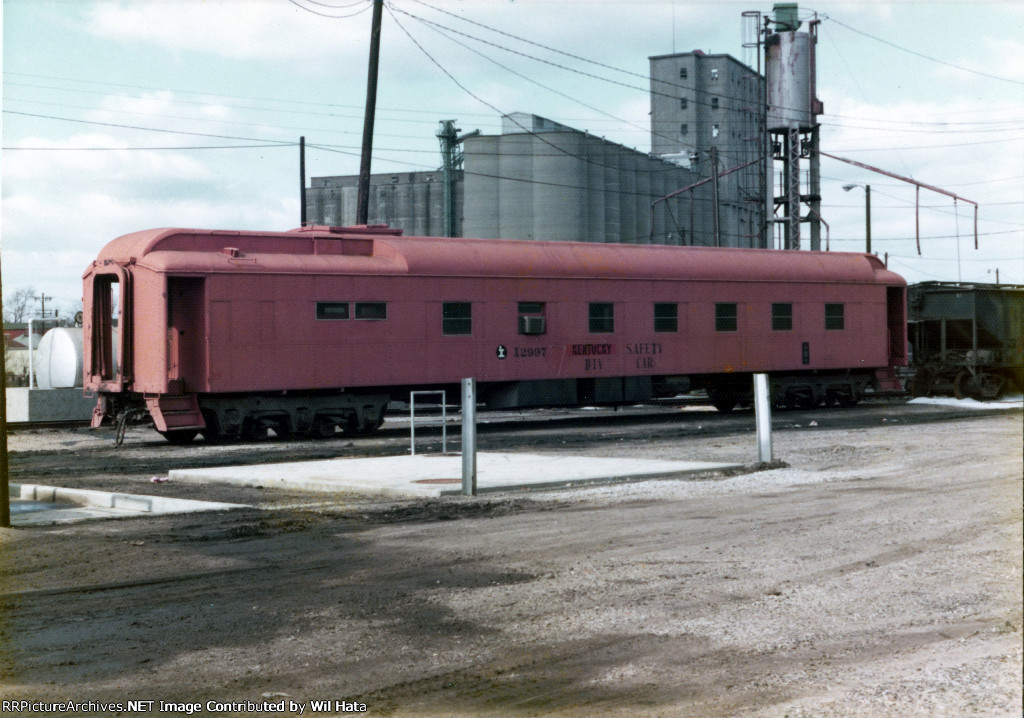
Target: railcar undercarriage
229,417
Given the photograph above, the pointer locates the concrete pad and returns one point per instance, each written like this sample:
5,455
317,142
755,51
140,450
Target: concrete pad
441,475
34,505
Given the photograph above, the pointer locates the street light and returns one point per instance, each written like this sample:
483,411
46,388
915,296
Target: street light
867,209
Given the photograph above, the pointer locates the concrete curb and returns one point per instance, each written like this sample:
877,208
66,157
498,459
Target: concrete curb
80,504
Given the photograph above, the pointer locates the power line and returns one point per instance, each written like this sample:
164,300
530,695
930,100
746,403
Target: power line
479,99
922,55
323,14
147,129
132,149
411,110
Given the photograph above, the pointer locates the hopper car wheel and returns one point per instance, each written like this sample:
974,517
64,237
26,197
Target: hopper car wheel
921,383
180,437
984,386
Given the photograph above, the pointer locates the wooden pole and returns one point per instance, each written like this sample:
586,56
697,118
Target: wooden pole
363,199
302,181
5,493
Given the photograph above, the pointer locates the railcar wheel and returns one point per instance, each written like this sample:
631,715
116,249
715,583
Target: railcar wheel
849,399
984,386
323,428
254,430
356,425
212,431
180,437
921,383
724,404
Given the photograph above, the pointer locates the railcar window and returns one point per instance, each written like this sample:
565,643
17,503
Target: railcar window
602,318
456,318
782,317
725,317
666,317
531,318
332,310
371,310
834,316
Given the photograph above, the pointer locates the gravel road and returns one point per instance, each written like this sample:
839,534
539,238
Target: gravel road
879,574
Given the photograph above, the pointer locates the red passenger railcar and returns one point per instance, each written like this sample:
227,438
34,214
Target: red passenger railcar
228,333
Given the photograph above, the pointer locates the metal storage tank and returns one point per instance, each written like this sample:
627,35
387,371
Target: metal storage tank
789,81
59,359
515,201
559,172
481,155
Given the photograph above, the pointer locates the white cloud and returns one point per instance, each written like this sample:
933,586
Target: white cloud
230,28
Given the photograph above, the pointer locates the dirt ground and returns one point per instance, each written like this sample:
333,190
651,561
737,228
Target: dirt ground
879,574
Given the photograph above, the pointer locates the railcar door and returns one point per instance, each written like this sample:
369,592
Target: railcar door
186,335
108,330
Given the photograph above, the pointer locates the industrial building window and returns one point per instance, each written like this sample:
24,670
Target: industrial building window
456,318
714,103
725,317
682,73
714,130
371,310
834,316
684,128
683,102
531,318
666,317
602,318
782,317
332,310
714,73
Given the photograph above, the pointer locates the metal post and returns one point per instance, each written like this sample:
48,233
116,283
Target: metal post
763,414
469,437
447,136
814,191
363,197
792,166
31,362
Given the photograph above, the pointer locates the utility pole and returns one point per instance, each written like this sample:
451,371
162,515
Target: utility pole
867,215
5,495
42,304
302,181
363,200
714,196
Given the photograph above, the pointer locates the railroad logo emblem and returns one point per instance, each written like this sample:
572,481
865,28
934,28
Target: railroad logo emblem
501,352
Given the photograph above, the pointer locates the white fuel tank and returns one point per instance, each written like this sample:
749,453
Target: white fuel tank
59,359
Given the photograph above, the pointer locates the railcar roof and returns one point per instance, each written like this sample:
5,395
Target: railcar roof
377,250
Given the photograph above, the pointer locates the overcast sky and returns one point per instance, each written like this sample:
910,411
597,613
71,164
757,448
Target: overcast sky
120,116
